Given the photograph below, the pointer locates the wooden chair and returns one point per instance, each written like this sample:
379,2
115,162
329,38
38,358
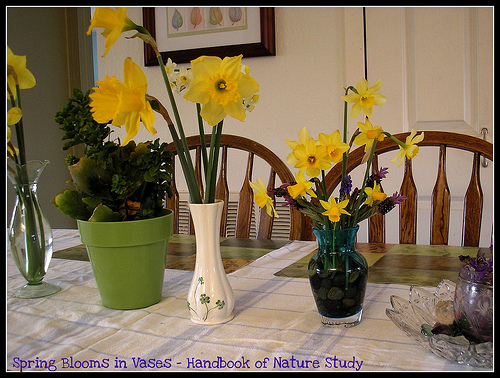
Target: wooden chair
440,211
246,195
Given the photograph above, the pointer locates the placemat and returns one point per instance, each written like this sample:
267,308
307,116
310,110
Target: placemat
424,265
181,253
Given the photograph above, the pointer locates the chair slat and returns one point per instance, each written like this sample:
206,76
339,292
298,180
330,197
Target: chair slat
265,226
473,207
440,216
222,191
408,209
376,224
245,203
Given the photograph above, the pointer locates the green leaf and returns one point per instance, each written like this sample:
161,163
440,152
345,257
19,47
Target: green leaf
102,213
69,202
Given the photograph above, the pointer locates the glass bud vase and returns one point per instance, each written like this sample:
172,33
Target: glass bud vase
338,276
30,235
473,306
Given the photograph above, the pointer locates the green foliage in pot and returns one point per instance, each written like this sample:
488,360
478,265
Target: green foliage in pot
110,182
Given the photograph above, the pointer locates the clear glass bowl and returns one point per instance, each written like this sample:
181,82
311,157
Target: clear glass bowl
410,315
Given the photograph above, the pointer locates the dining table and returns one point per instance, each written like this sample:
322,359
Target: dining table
276,325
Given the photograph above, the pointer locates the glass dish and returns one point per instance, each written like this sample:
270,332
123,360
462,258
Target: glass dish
410,315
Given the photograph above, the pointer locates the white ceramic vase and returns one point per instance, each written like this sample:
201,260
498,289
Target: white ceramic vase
210,298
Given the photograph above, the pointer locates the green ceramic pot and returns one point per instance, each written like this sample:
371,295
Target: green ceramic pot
128,259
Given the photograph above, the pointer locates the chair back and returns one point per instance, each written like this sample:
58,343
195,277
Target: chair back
245,204
440,196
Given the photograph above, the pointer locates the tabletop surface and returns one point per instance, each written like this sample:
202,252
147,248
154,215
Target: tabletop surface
275,327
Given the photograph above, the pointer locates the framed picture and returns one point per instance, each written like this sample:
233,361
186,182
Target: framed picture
185,33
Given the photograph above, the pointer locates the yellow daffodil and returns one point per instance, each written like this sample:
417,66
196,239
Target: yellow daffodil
124,103
114,22
105,100
374,194
302,187
303,139
410,148
334,145
14,115
311,158
368,135
334,209
365,98
17,73
262,198
220,86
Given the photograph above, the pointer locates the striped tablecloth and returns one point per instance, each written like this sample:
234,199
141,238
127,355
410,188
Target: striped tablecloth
276,326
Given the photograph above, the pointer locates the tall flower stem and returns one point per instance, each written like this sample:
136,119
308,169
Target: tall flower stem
203,143
344,155
211,174
180,142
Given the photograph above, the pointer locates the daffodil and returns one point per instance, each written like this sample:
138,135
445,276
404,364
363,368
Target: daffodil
374,194
303,139
368,134
220,86
17,73
302,187
333,144
182,79
311,158
365,98
14,115
333,209
114,22
408,149
262,198
124,103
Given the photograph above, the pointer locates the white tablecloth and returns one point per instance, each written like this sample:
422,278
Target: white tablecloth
276,326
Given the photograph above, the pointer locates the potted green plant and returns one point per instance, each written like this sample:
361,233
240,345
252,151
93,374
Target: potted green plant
116,194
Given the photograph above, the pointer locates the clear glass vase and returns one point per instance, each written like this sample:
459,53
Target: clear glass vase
30,235
338,275
473,305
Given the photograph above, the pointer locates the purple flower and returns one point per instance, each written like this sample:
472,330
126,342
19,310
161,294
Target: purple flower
376,177
345,186
397,198
382,172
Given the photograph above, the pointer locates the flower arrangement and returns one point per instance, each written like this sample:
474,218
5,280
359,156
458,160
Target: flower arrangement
314,157
111,182
219,87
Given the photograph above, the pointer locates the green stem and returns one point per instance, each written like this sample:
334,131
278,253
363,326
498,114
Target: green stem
367,172
344,155
328,224
202,139
213,163
180,141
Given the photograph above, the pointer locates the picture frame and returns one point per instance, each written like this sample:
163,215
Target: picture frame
255,38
